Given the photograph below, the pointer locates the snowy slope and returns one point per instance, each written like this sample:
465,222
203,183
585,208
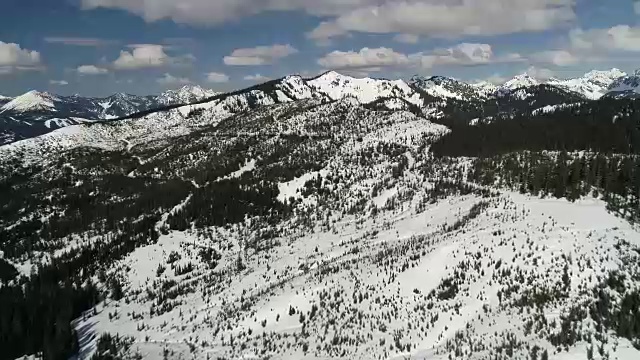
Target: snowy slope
626,86
485,88
374,257
593,85
170,123
444,87
36,113
519,81
366,90
31,101
185,95
371,282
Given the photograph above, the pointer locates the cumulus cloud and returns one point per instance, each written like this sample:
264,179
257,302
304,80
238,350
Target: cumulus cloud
495,79
59,82
419,17
209,12
617,38
406,38
592,45
168,79
15,58
91,70
464,54
215,77
79,41
439,19
260,55
365,58
369,60
540,73
147,56
257,78
555,57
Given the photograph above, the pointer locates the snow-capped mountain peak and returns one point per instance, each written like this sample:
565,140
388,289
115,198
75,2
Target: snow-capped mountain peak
122,97
598,76
31,101
520,81
446,87
626,86
197,90
366,90
485,85
186,94
593,85
331,77
294,87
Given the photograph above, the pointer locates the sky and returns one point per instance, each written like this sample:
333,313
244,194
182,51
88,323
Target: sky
99,47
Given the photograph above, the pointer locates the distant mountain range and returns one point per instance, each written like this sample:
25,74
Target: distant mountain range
592,85
36,113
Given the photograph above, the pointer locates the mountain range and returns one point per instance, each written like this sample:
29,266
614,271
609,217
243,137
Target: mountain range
35,113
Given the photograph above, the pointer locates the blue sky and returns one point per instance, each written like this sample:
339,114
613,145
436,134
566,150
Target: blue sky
98,47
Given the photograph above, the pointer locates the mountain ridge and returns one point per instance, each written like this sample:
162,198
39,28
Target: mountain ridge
35,113
431,94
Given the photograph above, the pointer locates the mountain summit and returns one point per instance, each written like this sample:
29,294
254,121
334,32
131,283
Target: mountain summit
31,101
593,85
519,81
186,94
626,86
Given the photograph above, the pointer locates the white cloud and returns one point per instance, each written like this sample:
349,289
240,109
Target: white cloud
168,79
555,57
406,38
359,73
260,55
212,12
495,79
215,77
91,70
365,58
464,54
371,60
441,19
592,45
58,82
636,7
257,78
147,56
79,41
325,31
420,17
617,38
14,58
540,73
